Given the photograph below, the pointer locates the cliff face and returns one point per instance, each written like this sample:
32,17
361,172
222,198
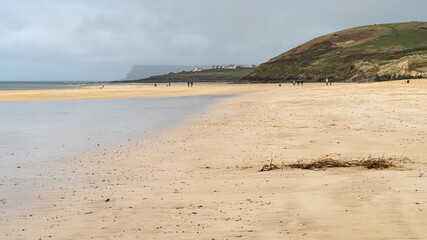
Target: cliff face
368,53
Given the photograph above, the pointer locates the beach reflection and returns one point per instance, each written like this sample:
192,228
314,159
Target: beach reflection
43,131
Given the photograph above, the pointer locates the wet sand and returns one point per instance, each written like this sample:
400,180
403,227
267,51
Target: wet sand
200,180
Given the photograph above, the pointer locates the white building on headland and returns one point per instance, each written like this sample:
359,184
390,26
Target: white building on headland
230,66
197,69
233,66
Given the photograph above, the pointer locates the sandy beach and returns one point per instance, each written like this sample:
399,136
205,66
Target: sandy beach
201,180
128,91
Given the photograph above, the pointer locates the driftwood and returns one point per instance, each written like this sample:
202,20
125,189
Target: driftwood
269,167
334,161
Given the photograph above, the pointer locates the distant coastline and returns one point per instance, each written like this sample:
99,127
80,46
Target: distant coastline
43,85
197,75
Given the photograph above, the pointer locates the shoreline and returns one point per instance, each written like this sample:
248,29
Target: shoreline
149,91
129,91
201,179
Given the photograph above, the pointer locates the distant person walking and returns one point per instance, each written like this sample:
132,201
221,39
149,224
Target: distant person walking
298,82
191,84
302,82
293,82
188,84
327,81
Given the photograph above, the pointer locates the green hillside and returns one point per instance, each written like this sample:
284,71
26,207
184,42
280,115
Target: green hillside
209,75
368,53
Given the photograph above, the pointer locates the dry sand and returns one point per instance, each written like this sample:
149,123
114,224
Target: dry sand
200,180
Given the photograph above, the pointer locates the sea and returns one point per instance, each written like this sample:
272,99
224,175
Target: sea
31,85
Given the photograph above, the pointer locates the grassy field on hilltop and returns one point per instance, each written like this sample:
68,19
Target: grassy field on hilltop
375,52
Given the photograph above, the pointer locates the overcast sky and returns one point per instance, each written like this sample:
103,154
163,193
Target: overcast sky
102,39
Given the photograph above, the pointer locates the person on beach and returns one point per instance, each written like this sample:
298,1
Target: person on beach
155,84
327,81
188,84
298,82
191,84
302,82
293,82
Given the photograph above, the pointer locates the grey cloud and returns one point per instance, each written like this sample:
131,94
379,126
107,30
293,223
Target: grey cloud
103,39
